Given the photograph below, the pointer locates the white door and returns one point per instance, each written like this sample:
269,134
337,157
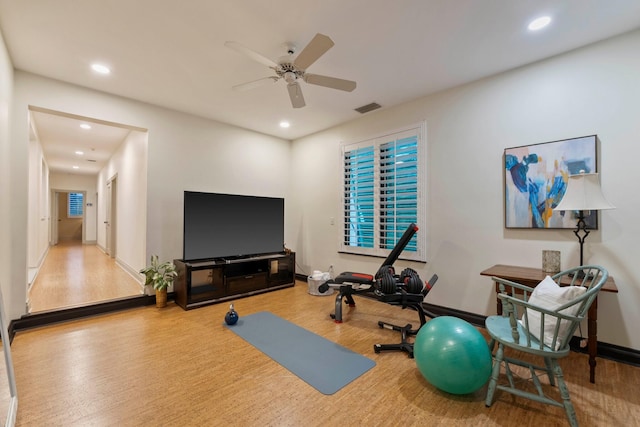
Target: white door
110,222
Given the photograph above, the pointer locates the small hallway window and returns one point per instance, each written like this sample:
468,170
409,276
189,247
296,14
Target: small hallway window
74,205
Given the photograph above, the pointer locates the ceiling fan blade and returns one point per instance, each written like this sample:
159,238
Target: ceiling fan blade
295,93
314,50
331,82
251,54
255,83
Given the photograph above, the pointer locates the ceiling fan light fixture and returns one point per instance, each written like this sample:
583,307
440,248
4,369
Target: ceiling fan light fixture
289,77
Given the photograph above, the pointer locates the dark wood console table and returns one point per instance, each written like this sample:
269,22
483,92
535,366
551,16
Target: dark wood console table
531,277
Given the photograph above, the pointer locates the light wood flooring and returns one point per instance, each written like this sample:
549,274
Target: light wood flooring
170,367
74,274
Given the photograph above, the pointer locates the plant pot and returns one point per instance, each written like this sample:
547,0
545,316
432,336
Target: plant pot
161,298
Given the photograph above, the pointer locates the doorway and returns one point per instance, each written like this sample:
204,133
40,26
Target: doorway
76,273
68,219
84,160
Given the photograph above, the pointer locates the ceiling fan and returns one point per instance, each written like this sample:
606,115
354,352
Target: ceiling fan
292,69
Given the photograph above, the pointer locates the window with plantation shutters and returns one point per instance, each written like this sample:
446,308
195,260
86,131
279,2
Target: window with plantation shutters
359,196
382,194
74,205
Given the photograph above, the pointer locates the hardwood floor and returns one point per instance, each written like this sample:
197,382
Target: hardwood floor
74,275
150,366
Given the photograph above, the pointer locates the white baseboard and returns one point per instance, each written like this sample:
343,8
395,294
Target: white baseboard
132,272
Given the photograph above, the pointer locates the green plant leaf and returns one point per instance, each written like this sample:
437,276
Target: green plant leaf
159,275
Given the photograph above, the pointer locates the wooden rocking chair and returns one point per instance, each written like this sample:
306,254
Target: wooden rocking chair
540,321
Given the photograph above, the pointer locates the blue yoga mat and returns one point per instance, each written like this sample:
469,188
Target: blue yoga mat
321,363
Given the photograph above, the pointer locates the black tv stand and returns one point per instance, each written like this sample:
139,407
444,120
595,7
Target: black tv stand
205,282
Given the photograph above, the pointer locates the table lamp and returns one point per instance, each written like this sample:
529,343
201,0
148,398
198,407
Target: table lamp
583,194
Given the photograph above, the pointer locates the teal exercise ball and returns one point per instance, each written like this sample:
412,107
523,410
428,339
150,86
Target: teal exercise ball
452,355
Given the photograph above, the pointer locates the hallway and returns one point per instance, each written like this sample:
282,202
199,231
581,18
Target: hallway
74,275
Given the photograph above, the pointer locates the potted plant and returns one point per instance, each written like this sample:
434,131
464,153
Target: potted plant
160,276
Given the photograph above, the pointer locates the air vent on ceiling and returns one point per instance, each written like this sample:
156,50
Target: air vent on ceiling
91,160
368,107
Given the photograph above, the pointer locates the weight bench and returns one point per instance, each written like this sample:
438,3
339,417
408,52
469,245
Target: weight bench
405,290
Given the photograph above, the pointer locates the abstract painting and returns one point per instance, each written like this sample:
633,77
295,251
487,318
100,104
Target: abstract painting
536,178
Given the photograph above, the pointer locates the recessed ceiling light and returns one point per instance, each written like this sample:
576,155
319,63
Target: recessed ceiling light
76,167
85,126
539,23
284,124
79,153
99,68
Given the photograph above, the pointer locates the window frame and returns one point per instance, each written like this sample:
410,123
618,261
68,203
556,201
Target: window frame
419,131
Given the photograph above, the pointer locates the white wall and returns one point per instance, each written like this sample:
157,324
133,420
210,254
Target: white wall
7,265
39,208
128,166
595,90
184,153
69,182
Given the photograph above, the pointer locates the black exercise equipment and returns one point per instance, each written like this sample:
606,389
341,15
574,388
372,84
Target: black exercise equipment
406,300
405,290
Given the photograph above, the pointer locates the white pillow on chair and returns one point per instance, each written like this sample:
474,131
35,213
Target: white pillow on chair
551,296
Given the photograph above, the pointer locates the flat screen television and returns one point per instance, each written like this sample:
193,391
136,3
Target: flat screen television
231,226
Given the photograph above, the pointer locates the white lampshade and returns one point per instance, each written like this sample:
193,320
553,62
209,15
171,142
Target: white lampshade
583,194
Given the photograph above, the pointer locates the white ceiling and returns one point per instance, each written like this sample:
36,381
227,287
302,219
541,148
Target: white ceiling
70,148
172,53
